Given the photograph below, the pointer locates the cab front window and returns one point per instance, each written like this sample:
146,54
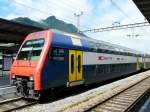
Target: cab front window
31,50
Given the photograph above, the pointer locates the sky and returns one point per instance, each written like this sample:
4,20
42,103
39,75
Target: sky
96,14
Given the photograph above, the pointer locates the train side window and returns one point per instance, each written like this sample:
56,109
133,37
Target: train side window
57,51
108,68
72,63
56,54
105,68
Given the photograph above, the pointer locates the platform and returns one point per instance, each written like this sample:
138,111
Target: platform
4,79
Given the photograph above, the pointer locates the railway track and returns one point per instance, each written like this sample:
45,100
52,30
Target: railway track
7,92
118,96
15,104
120,102
125,100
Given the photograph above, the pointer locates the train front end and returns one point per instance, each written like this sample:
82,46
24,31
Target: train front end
26,69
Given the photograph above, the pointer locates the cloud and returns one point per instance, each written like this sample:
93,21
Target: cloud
97,13
127,14
62,10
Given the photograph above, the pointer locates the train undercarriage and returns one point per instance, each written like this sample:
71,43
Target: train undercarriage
25,88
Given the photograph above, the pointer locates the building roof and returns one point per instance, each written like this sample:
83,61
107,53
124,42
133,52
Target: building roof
144,7
12,32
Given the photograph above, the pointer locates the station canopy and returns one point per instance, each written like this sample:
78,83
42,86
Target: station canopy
144,7
12,32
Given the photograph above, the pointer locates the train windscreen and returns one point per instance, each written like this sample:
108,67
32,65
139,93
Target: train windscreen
31,50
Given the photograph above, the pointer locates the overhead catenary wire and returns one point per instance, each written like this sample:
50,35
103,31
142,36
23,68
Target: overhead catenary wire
48,13
24,5
65,5
36,9
125,14
73,8
118,27
122,11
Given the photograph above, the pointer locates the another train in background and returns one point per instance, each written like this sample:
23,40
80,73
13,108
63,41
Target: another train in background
53,59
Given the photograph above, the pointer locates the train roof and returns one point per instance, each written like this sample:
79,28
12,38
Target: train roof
101,44
114,47
89,42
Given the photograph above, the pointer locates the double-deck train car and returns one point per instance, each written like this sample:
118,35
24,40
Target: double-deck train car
53,59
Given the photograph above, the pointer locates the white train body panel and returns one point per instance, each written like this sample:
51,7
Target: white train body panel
92,58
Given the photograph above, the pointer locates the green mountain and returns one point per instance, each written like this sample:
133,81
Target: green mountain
27,21
51,22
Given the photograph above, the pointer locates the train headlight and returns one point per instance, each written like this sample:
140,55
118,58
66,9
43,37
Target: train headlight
13,76
31,78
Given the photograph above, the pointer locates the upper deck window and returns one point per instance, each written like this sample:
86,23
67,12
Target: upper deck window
31,49
57,54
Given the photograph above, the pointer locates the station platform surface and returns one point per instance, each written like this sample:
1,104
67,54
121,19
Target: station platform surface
4,79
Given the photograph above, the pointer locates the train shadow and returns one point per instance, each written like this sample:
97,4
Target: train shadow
61,93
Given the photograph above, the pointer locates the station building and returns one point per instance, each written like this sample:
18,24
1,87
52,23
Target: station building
12,35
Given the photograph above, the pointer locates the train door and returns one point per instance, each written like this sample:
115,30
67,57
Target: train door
75,65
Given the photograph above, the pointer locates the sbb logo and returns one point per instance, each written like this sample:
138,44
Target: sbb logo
101,58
